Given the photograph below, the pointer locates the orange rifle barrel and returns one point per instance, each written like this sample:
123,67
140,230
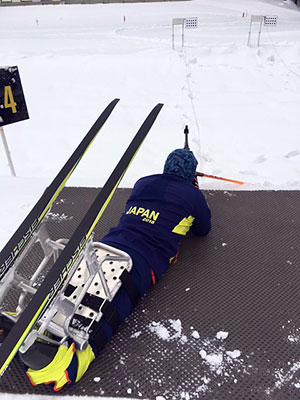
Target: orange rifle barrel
219,178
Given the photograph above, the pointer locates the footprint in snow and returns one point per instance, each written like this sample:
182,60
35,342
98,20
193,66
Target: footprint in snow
293,153
261,159
193,61
207,158
248,172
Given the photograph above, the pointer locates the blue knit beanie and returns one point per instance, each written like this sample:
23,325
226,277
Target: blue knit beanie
181,163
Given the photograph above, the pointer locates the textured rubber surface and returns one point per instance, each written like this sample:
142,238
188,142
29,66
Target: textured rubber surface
223,323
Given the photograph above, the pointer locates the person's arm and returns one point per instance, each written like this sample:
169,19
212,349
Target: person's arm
202,222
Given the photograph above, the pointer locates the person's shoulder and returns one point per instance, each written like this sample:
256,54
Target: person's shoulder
149,178
182,187
154,176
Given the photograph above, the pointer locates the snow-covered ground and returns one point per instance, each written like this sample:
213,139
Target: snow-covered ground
242,104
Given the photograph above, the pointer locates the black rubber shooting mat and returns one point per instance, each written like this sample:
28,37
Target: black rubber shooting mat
223,323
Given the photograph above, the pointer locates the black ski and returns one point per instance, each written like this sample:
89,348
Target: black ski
21,237
54,279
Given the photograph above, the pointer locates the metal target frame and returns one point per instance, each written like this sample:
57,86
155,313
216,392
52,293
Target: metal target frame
188,23
260,20
180,22
267,20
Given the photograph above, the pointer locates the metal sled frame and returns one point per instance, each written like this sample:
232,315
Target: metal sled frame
96,272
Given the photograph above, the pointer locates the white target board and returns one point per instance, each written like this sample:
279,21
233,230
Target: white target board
191,23
270,19
257,18
178,21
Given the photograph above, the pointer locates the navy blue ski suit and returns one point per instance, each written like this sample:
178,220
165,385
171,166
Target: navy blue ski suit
159,212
